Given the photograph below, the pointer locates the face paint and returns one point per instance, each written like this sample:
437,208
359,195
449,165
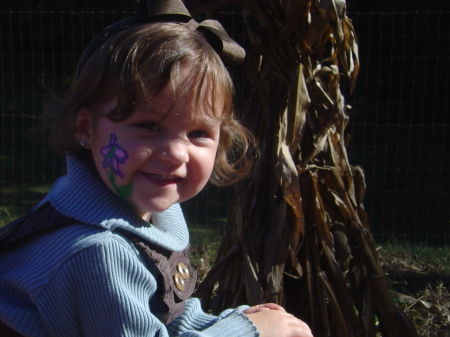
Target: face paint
113,155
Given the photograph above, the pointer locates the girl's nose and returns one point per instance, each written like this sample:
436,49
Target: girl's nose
175,152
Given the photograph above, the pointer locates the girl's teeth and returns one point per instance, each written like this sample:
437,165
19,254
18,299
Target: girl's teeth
160,177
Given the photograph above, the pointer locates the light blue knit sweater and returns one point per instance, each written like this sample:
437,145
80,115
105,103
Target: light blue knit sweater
86,280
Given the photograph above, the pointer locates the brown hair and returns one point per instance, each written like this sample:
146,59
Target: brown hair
147,57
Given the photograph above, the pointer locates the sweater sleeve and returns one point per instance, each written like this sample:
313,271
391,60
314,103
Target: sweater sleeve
105,290
195,323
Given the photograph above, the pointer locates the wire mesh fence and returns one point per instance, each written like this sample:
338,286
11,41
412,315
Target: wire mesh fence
398,129
400,123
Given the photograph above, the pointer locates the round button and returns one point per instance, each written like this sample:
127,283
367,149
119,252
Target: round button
183,270
179,281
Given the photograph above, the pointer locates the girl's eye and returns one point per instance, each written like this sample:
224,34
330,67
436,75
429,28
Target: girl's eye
198,134
150,126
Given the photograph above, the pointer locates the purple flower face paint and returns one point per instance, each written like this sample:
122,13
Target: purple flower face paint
113,155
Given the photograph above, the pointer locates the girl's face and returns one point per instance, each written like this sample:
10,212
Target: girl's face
162,154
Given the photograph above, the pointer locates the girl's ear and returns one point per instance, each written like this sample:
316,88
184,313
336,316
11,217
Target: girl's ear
85,127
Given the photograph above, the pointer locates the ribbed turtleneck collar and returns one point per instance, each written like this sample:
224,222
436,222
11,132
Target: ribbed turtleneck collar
84,197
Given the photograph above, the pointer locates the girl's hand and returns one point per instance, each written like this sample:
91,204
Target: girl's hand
265,306
276,322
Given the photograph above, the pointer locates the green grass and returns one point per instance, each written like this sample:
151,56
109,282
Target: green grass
205,243
5,216
419,254
16,200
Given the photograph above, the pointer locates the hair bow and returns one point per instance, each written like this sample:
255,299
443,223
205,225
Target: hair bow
231,53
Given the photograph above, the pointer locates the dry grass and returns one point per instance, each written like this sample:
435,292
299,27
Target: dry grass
420,282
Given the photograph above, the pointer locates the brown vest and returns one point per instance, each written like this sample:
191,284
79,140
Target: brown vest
175,276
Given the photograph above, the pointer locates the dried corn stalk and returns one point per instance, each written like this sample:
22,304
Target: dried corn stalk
298,232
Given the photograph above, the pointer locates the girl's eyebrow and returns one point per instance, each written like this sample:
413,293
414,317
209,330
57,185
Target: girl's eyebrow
150,108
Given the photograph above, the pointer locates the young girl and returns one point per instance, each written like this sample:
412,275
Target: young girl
147,122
